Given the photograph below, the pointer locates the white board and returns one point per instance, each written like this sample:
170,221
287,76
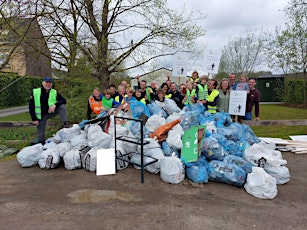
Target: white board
212,61
180,66
105,162
237,102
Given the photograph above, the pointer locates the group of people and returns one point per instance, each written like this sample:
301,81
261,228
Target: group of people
213,96
45,102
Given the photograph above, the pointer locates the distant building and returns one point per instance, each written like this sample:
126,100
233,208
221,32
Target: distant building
31,55
160,76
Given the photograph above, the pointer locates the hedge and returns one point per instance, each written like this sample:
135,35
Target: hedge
18,93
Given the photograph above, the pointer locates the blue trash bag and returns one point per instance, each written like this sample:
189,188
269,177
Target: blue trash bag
220,138
222,118
242,145
187,108
204,120
212,150
197,171
239,161
135,129
232,147
168,150
138,109
102,114
189,119
83,123
232,132
197,107
156,109
220,171
249,134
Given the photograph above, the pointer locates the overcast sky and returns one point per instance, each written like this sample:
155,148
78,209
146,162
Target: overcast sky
228,18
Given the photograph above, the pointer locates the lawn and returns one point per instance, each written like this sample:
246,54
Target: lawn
19,137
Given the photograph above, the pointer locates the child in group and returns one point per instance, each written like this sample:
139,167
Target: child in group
190,95
138,96
129,96
243,85
108,102
202,90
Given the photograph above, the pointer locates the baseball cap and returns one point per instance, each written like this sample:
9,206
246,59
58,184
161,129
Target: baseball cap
47,79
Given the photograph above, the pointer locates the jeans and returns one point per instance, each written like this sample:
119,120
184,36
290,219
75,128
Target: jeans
248,116
41,127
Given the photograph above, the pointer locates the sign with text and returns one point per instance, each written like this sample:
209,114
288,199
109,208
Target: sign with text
180,66
237,102
212,61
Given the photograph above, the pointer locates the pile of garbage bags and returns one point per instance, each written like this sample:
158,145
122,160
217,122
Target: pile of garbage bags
229,152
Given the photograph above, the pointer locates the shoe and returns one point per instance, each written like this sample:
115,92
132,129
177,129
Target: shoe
66,125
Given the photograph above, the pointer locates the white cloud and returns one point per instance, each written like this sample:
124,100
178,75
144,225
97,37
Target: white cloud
228,18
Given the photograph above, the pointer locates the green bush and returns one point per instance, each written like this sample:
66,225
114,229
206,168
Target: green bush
291,92
18,92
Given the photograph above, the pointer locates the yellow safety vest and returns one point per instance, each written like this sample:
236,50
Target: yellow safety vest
37,100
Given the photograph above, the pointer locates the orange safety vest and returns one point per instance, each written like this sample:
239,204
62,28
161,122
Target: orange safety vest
95,105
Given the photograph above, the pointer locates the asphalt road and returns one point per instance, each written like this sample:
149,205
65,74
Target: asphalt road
13,111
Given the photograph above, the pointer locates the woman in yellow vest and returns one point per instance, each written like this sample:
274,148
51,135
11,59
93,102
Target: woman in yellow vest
190,95
213,96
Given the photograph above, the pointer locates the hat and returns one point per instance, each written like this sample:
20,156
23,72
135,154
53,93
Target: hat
47,79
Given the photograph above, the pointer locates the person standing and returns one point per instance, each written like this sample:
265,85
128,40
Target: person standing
253,98
190,95
46,103
224,96
213,96
232,80
176,95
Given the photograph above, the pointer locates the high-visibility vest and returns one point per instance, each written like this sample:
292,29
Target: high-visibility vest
37,100
192,80
189,94
168,95
143,101
107,103
211,97
117,98
202,93
95,105
148,94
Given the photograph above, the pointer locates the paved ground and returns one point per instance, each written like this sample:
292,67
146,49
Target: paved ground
13,111
32,198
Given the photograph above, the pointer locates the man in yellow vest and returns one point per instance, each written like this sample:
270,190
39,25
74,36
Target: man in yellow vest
46,103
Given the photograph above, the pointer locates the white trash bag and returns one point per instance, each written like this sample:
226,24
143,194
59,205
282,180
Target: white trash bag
260,184
72,159
279,172
90,160
49,159
172,170
30,155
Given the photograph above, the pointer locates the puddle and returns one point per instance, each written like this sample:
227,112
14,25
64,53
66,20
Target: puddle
99,196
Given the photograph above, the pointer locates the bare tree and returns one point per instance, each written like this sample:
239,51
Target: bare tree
242,54
119,35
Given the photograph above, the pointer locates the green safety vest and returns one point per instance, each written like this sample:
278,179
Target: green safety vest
148,94
107,103
37,100
202,92
189,95
211,97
